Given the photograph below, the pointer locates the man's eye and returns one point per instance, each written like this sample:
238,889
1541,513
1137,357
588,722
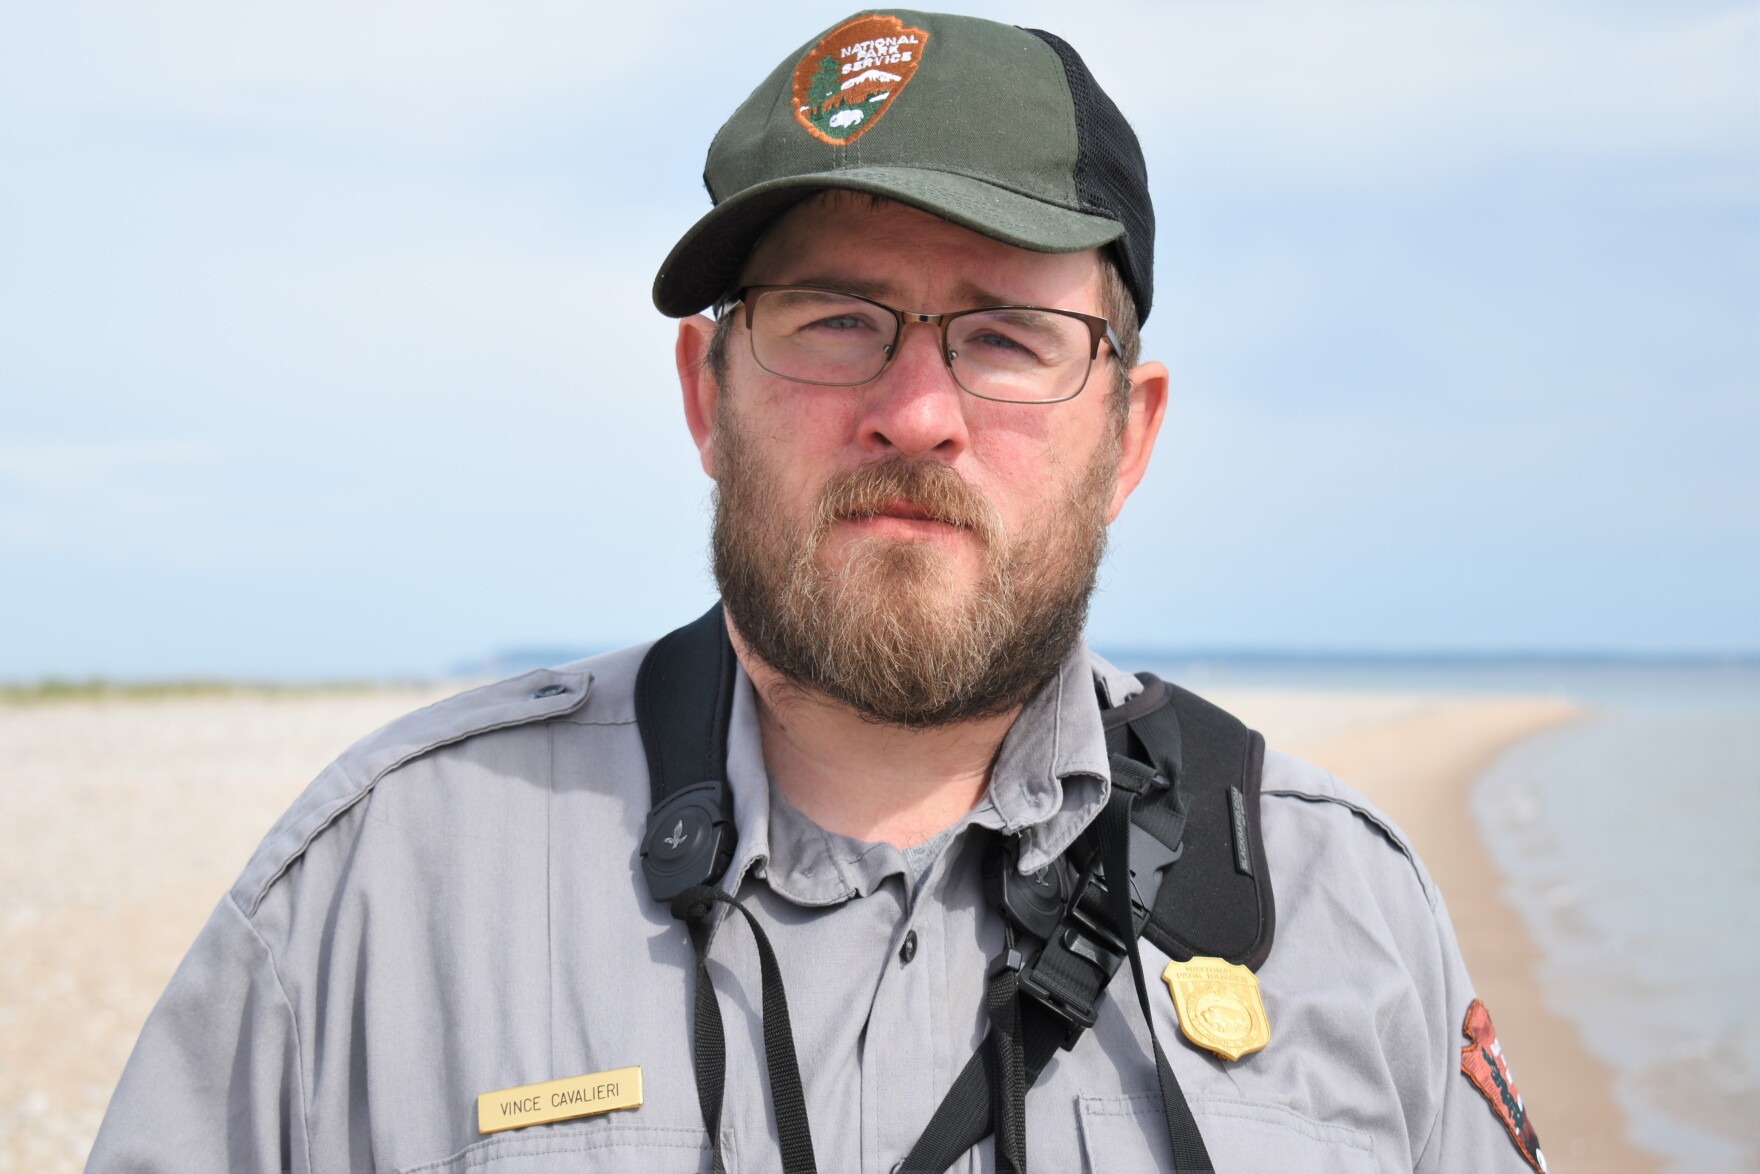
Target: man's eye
838,322
1002,345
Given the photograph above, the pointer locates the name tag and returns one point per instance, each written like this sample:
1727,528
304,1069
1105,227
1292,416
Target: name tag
559,1100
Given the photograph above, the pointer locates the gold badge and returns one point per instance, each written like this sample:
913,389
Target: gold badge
1218,1005
559,1100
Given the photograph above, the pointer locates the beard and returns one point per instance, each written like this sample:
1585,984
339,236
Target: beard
886,629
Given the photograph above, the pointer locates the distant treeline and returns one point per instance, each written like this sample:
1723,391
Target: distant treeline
55,689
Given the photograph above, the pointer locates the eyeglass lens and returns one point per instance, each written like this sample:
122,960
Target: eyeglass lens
1023,355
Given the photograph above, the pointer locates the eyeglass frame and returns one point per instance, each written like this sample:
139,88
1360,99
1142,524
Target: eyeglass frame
1099,330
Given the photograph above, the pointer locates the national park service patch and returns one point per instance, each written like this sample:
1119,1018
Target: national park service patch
1482,1063
849,79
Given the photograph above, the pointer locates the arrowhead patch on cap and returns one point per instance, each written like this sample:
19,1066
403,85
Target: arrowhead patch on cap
856,71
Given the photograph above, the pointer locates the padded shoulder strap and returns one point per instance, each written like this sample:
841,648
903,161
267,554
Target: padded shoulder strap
684,703
1215,899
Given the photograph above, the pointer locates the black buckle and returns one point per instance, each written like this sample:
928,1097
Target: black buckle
689,840
1150,860
1077,1010
1055,909
1076,936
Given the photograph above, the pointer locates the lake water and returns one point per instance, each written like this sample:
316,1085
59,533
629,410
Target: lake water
1630,842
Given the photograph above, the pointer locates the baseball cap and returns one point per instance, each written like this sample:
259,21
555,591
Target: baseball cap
998,129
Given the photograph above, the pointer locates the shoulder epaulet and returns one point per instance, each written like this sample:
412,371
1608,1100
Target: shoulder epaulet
1295,779
517,701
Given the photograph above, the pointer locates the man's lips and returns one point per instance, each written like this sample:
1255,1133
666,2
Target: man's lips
903,517
906,511
913,501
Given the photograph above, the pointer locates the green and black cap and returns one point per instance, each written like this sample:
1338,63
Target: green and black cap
999,129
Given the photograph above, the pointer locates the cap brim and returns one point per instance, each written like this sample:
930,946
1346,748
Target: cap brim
707,259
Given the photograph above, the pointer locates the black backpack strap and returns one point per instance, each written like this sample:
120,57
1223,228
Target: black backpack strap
684,705
1194,773
684,702
1221,905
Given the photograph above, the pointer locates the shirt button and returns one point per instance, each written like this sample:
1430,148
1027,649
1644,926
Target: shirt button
909,950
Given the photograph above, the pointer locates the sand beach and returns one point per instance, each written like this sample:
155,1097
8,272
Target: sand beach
1417,759
123,820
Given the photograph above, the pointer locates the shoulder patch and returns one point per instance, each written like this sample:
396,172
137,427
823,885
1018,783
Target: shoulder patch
517,701
1482,1063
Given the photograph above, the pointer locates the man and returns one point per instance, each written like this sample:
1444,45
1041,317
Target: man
921,406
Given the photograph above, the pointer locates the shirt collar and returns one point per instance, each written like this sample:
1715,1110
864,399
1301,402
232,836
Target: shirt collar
796,857
1052,775
1050,780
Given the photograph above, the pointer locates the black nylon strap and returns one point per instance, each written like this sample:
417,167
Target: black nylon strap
787,1100
1189,1154
969,1111
1212,906
1154,720
684,702
708,1042
963,1119
1008,1075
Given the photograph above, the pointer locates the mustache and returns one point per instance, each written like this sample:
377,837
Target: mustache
929,486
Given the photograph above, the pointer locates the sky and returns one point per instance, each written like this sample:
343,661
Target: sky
326,348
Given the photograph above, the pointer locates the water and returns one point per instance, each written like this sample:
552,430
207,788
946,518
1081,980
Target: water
1606,681
1630,842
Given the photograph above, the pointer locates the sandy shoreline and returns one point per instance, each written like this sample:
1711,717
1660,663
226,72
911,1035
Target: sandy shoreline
1419,766
123,821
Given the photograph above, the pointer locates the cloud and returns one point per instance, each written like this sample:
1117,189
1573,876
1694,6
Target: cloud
1402,94
91,469
383,268
432,72
1335,88
100,497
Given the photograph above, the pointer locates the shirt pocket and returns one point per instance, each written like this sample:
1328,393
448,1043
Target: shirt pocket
578,1149
1126,1134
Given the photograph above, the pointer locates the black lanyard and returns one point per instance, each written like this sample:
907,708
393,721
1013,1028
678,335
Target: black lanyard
695,907
684,700
1064,986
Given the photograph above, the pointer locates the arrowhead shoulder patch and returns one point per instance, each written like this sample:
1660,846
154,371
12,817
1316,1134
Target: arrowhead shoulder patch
1482,1063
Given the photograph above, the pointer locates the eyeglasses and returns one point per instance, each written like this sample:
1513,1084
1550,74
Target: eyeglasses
1014,354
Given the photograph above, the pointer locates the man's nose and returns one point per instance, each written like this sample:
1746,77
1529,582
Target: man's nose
915,408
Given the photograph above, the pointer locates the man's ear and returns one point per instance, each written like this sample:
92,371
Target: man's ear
1148,406
701,390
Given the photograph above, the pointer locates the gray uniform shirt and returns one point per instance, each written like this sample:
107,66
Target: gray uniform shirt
455,906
